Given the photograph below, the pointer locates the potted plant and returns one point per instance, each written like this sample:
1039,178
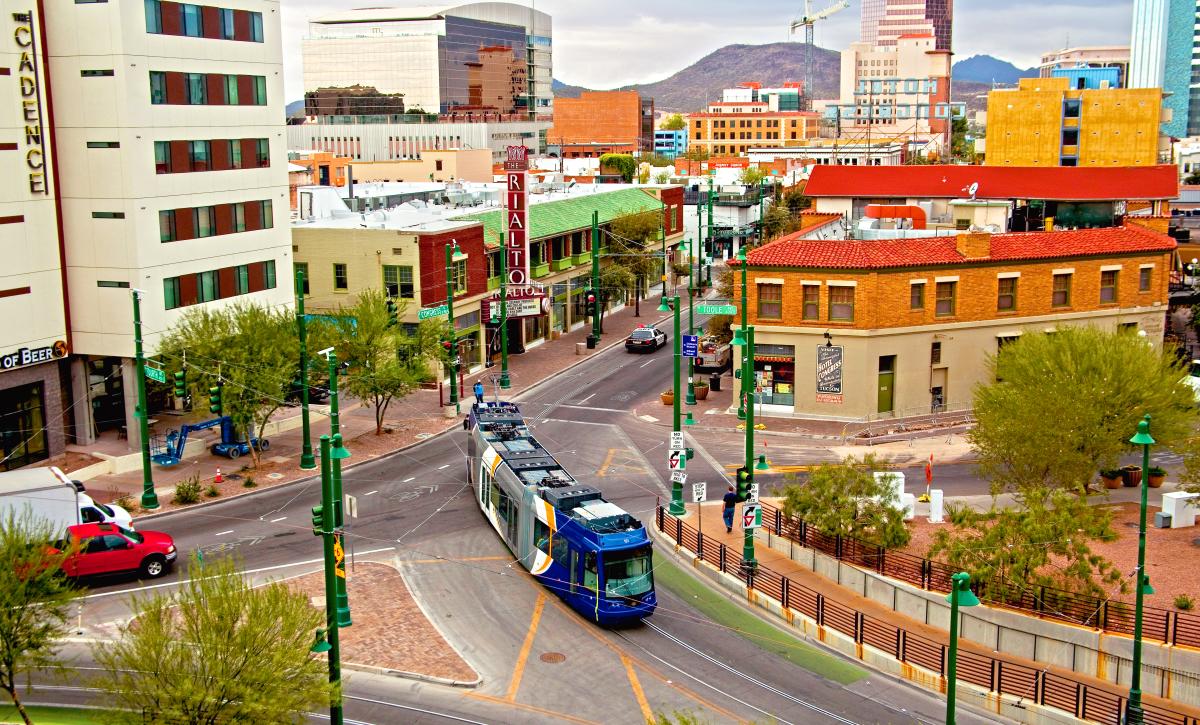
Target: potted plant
667,397
1111,477
1156,477
701,389
1131,475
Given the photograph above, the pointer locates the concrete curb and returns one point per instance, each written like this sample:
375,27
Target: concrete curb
402,674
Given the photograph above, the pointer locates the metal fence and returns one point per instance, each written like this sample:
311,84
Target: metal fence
1028,683
1170,627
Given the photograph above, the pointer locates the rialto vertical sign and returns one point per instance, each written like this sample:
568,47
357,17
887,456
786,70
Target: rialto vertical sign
516,214
31,102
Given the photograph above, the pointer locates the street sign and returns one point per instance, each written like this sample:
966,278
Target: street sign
716,310
699,492
751,516
677,440
428,312
351,507
691,346
678,477
677,460
753,493
156,374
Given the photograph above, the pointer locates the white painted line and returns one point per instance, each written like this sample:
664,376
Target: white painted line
645,363
445,466
281,518
371,493
222,533
586,399
408,479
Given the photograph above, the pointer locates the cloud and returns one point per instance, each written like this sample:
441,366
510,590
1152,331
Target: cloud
634,41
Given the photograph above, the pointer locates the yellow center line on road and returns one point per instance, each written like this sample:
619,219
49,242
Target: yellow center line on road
519,668
529,708
637,688
607,462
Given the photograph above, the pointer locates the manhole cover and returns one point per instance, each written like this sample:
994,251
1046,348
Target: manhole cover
274,476
553,657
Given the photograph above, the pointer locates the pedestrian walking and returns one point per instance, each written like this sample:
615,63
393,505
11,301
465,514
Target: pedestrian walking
730,500
478,392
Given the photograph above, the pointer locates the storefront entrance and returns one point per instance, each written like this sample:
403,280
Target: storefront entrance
775,374
22,426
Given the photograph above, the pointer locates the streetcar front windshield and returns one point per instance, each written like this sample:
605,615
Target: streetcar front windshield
628,573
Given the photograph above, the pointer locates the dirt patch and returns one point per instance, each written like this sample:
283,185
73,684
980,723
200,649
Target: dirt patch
70,461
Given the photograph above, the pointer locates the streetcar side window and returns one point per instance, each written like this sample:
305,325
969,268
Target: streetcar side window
506,506
590,578
574,569
541,536
560,551
495,485
485,481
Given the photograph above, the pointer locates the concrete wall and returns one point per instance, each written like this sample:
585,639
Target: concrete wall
1167,671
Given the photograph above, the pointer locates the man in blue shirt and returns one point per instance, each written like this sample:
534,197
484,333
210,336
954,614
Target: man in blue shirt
478,392
730,500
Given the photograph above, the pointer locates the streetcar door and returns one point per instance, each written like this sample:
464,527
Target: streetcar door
574,569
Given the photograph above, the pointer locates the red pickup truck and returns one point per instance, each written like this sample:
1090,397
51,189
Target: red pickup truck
108,548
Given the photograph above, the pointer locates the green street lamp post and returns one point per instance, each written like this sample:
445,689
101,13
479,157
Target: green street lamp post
749,562
960,596
337,613
745,386
335,430
149,497
451,250
709,204
505,381
307,461
700,246
671,304
761,197
597,320
691,328
1133,708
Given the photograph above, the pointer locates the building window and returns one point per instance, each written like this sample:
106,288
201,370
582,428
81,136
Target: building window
398,281
166,225
208,286
340,280
841,303
231,90
227,31
267,214
1145,274
916,296
104,144
200,155
946,293
239,217
269,274
158,87
770,301
241,279
193,22
104,73
205,218
153,16
1061,297
112,283
302,267
1108,286
811,307
260,90
108,215
197,89
460,277
262,149
256,27
935,353
235,153
171,293
1006,297
162,157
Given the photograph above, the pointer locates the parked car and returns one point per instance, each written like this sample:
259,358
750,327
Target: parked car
646,338
1193,379
109,549
48,494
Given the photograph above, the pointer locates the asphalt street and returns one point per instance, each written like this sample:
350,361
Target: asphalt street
415,508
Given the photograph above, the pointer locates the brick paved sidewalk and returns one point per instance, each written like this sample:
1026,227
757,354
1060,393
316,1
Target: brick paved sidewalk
389,631
408,421
713,529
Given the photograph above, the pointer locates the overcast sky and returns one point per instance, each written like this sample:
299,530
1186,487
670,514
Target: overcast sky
635,41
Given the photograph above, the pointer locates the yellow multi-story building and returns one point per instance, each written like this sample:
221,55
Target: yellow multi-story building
1047,122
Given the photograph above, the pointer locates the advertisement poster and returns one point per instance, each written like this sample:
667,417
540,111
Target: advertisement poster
829,374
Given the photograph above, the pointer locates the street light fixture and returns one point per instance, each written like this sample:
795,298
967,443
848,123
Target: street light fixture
960,596
762,463
320,644
1133,708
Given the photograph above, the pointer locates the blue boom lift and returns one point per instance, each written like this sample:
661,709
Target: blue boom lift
170,451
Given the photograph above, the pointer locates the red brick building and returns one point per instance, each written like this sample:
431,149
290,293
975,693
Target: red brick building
602,122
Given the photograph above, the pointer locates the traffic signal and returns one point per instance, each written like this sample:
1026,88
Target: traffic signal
318,520
392,313
744,479
589,298
214,399
180,384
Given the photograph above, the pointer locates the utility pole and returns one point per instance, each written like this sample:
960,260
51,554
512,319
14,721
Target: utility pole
149,498
671,304
711,242
307,462
451,250
1134,714
335,430
745,384
748,560
691,328
337,614
596,317
700,246
761,197
505,381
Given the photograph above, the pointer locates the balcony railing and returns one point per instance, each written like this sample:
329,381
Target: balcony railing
540,270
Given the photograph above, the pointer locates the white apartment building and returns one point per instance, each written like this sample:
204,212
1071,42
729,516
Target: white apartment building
165,171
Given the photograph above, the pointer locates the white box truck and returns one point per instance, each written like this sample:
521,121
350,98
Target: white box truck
47,493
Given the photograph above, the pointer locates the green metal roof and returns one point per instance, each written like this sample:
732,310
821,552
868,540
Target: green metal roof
552,218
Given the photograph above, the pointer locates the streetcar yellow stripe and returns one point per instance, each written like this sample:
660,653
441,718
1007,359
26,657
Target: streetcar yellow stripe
519,669
637,688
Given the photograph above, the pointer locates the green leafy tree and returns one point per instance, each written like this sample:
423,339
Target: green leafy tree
623,164
35,600
697,153
252,350
1045,540
674,122
662,178
796,201
216,650
752,176
630,236
1065,405
777,222
720,326
847,499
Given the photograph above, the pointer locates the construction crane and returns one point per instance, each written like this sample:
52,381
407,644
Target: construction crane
807,22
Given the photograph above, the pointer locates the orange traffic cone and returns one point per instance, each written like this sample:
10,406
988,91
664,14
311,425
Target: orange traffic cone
218,479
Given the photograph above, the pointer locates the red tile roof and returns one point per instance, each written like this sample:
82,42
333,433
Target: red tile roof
792,251
1067,183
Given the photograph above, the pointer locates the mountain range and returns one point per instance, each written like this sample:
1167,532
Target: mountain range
986,69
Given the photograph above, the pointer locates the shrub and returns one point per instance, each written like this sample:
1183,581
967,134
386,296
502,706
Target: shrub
188,491
1156,471
127,502
249,482
213,491
1184,602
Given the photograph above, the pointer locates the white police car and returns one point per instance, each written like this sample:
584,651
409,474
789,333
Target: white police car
646,338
